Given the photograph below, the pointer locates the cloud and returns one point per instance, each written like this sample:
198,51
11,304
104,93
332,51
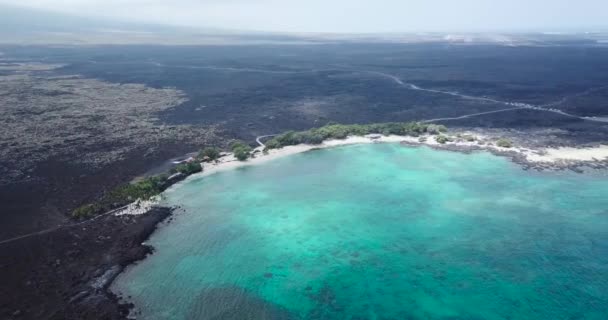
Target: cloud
346,15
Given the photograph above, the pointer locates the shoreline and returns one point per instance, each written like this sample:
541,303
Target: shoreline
577,159
563,158
552,159
76,267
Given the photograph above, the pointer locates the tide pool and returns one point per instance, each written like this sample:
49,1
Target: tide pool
379,231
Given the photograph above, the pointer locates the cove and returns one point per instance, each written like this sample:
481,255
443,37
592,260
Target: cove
379,231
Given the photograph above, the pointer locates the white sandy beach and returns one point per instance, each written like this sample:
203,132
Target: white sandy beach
548,155
533,155
598,153
229,162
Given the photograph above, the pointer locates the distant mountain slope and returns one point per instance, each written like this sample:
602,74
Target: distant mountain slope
20,25
31,26
23,20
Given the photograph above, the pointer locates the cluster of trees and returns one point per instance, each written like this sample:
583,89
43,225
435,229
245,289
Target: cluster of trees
241,150
187,168
152,186
442,139
340,131
123,195
436,128
468,137
209,154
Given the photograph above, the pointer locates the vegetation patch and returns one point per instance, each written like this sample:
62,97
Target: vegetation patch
123,195
436,128
209,154
188,168
340,131
442,139
241,150
152,186
141,190
504,143
468,137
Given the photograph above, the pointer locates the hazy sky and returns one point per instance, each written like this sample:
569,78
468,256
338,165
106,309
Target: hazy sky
348,15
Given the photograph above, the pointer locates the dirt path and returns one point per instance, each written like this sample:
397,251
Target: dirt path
411,86
516,105
262,145
41,232
471,115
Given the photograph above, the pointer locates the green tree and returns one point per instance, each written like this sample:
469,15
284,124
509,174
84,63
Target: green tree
85,211
340,131
210,152
504,143
242,152
468,137
122,195
442,139
188,168
237,143
273,144
436,128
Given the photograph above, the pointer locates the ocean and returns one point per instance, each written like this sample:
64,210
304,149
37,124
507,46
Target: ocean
379,231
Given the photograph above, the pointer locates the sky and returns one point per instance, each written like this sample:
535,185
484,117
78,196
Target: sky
347,16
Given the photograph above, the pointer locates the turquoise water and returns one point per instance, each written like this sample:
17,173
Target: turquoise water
380,231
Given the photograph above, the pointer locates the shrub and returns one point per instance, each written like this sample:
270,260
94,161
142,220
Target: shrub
340,131
273,144
241,152
122,195
468,137
504,143
85,211
442,139
188,168
144,189
210,152
436,128
289,138
315,138
237,143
